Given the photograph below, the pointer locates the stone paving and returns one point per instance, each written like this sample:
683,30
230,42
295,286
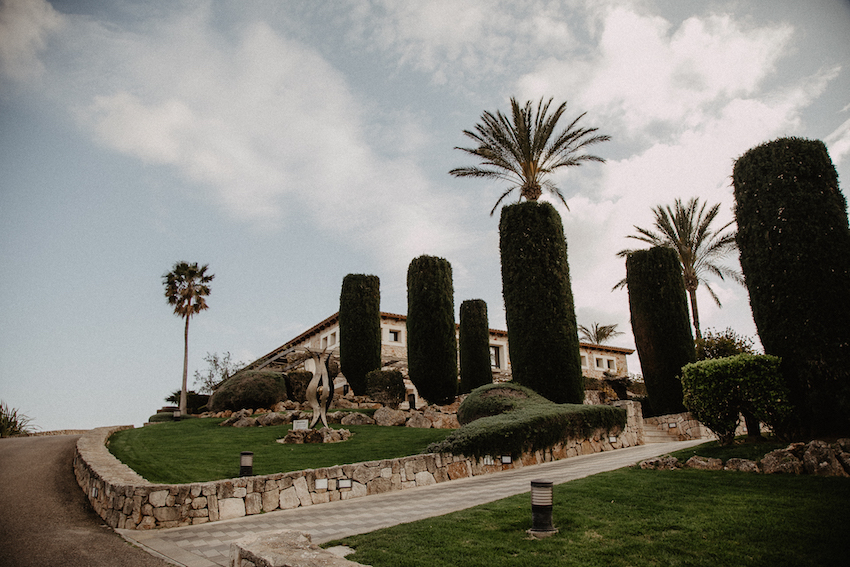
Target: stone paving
208,545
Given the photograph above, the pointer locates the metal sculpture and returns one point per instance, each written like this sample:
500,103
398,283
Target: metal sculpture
320,402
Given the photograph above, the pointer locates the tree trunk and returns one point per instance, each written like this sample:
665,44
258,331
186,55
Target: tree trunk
753,427
185,368
695,312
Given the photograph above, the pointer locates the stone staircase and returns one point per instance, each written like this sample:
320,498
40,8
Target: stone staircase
653,435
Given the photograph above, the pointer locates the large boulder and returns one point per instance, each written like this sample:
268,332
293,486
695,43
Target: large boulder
418,420
357,418
663,463
741,465
271,419
820,459
389,417
704,463
781,461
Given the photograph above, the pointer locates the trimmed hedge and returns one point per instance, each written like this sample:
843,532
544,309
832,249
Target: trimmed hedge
718,391
386,387
529,424
474,346
431,337
494,399
359,328
660,324
249,389
539,308
794,241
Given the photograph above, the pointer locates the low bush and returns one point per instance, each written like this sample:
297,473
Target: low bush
249,389
493,399
296,385
162,416
12,422
718,391
386,387
526,422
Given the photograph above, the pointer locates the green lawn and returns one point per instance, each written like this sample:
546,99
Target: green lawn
198,450
633,517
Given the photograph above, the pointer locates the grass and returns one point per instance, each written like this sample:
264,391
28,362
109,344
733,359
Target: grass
740,449
198,450
634,517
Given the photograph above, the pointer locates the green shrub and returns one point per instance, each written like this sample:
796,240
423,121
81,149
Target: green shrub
161,416
794,243
249,389
386,387
431,335
494,399
12,422
533,424
720,345
296,385
359,329
662,330
718,391
539,308
474,346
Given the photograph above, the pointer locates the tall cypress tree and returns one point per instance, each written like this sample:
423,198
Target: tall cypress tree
431,338
794,242
539,308
474,335
359,328
662,330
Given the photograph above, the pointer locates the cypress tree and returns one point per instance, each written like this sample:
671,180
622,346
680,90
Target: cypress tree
539,308
431,338
474,339
662,330
359,328
794,242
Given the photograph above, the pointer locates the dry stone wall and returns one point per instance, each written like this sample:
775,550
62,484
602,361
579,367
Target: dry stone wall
125,500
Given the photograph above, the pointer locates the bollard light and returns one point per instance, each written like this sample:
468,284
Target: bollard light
541,509
246,463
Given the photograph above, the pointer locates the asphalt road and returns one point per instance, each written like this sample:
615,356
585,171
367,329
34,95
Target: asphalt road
44,517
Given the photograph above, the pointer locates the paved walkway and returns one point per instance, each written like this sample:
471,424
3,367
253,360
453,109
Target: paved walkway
208,545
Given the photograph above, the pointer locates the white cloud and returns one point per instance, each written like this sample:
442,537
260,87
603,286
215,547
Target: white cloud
838,142
25,26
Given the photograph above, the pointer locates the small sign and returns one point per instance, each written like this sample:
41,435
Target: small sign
299,424
506,459
321,484
343,483
488,459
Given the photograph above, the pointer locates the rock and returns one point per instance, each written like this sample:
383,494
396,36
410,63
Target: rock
666,462
389,417
797,449
323,435
820,460
357,418
271,419
246,422
705,464
418,420
443,421
741,465
843,445
781,461
844,459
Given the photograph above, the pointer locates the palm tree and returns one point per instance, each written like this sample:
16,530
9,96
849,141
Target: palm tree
523,151
686,229
598,334
186,286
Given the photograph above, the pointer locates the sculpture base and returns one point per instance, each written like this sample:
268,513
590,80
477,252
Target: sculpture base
323,435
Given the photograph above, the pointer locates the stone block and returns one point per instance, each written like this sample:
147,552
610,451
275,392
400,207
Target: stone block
212,506
458,469
199,502
240,492
253,503
289,499
166,514
231,508
380,485
301,490
271,500
157,499
424,478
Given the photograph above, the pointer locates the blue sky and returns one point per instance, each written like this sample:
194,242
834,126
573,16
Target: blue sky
287,144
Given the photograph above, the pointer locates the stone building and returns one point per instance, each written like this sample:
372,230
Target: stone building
597,361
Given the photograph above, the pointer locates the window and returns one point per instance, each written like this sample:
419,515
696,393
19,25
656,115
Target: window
395,336
332,340
583,361
600,363
495,359
612,364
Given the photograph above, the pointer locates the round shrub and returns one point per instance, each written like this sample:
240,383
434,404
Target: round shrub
493,399
249,389
386,387
296,385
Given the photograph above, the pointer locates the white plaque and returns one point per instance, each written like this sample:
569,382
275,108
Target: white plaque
300,424
321,484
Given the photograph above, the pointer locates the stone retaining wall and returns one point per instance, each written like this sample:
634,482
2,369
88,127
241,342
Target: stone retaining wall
126,500
684,425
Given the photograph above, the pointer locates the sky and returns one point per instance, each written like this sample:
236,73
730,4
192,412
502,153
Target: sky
287,144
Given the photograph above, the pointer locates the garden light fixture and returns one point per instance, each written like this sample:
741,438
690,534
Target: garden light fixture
246,463
541,509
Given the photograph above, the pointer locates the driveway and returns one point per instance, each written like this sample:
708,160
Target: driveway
44,517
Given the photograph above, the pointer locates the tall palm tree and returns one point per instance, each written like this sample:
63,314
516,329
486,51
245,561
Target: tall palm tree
687,229
598,334
186,287
523,150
